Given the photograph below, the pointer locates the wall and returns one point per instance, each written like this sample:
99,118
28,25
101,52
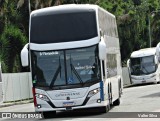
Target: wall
126,78
16,86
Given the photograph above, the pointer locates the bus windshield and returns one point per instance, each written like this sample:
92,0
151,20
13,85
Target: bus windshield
63,27
143,65
63,68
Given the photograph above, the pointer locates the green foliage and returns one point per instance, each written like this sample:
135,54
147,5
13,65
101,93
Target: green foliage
12,41
132,19
136,28
13,33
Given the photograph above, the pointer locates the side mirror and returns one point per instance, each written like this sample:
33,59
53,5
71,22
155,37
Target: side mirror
24,56
128,66
101,33
102,49
158,51
128,63
159,59
156,60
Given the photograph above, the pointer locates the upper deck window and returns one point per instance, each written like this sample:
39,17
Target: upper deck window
63,27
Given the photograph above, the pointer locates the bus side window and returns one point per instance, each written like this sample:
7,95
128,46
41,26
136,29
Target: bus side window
103,67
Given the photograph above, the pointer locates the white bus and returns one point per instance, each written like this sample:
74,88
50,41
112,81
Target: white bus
158,51
74,58
144,66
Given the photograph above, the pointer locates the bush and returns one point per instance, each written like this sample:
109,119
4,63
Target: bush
12,40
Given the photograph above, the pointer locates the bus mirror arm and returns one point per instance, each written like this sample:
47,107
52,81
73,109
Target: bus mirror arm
24,56
156,60
101,33
159,59
128,63
102,49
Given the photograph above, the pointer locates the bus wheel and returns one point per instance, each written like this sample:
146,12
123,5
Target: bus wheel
116,102
105,109
110,95
120,89
49,114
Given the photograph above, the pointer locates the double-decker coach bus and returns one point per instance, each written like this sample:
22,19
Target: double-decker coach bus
144,66
74,57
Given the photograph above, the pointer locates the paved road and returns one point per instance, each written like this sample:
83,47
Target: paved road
144,98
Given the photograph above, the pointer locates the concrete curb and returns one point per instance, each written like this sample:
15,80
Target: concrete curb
15,103
127,86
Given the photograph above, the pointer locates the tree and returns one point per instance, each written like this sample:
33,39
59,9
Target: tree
132,20
13,35
12,40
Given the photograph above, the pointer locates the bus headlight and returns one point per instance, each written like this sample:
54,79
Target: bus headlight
41,96
154,75
93,92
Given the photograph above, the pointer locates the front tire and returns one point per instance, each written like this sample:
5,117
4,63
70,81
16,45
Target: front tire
120,89
49,114
105,109
110,96
116,102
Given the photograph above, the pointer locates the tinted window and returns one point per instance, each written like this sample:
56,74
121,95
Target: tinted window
111,65
143,65
65,67
48,66
63,27
84,65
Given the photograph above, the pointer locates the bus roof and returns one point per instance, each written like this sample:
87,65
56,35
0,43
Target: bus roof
158,47
143,52
67,8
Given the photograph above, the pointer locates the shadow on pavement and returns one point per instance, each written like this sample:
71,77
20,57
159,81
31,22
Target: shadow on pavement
154,95
79,113
139,85
82,113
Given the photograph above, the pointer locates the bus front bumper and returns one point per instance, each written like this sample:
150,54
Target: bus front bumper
46,107
142,80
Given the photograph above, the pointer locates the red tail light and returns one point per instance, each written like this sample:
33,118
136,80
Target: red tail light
34,97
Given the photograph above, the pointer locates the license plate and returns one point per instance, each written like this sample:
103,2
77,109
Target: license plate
143,81
68,104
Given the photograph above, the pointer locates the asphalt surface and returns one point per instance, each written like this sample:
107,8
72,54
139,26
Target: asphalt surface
142,100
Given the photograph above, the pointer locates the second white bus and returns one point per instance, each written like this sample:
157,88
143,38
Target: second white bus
144,66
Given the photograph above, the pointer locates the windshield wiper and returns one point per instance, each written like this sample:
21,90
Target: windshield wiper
145,69
56,74
76,73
